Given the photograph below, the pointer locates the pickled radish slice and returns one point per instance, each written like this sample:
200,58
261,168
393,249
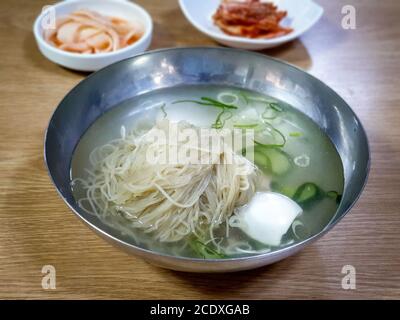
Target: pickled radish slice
89,32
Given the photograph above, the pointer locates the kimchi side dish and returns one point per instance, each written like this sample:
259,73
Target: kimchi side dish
250,19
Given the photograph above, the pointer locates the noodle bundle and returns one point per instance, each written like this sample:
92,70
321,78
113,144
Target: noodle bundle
170,200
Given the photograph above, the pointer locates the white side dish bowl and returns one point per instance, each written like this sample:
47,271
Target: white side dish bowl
302,15
92,62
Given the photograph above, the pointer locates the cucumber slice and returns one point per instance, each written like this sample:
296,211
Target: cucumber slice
260,160
287,191
334,195
306,193
205,251
245,125
280,161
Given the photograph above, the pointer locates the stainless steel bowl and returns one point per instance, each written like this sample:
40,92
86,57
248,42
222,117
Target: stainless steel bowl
182,66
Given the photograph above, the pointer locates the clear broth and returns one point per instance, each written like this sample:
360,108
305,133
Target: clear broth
325,167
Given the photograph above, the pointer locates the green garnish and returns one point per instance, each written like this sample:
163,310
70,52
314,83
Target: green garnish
295,134
245,98
285,190
272,117
275,106
205,251
306,194
218,103
197,102
334,195
219,124
246,126
273,145
271,106
163,110
280,162
206,101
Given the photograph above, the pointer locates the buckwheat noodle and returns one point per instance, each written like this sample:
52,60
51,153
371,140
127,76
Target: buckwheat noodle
167,200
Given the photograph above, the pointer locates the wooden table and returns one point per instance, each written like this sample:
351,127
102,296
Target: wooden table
36,227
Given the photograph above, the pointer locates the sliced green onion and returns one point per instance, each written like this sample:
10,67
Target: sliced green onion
219,124
246,126
227,97
163,110
197,102
271,107
263,100
295,134
205,251
278,145
287,191
205,101
275,106
218,103
272,117
295,225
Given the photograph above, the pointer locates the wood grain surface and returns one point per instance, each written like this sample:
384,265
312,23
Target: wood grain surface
37,228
